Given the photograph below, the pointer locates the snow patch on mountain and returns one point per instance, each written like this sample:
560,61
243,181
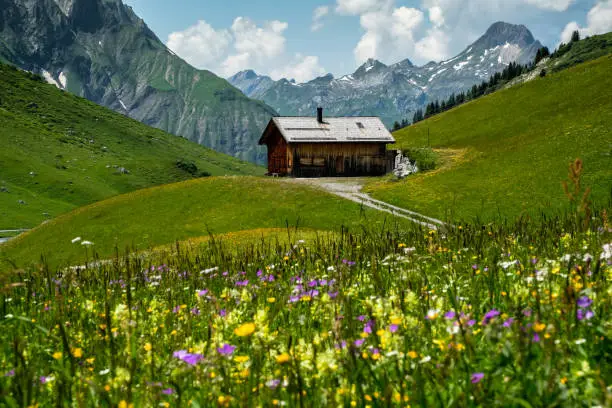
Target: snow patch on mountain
62,79
460,65
49,78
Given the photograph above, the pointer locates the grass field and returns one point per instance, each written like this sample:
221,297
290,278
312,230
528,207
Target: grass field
512,316
514,149
151,217
60,152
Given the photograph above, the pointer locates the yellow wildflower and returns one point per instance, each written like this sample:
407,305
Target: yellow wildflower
538,327
241,359
271,299
245,330
57,355
148,347
77,352
283,358
412,354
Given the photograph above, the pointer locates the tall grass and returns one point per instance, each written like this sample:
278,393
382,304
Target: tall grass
494,315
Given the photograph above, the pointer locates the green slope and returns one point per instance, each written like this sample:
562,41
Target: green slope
160,215
101,50
509,151
60,151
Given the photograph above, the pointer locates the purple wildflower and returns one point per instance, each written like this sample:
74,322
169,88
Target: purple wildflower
508,322
471,322
527,312
313,283
193,359
536,338
242,283
359,342
203,292
272,384
168,391
189,358
368,327
584,302
477,377
10,373
361,318
195,311
474,267
333,295
44,379
176,309
491,314
393,328
340,345
584,314
222,313
226,350
450,315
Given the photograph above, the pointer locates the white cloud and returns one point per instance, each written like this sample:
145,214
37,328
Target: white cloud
434,46
245,45
436,16
201,45
302,69
389,31
357,7
599,21
259,42
317,16
553,5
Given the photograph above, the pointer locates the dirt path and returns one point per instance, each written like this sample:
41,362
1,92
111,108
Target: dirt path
350,189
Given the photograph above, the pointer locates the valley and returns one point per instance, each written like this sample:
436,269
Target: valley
164,241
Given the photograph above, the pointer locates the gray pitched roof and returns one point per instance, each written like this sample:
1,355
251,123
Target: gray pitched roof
333,130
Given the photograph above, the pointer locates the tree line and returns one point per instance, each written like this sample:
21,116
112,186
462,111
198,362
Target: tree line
495,82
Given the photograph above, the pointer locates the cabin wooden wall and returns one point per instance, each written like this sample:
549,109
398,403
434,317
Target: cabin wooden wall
277,154
337,159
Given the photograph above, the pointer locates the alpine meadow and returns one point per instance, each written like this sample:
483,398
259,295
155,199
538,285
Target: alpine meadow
433,229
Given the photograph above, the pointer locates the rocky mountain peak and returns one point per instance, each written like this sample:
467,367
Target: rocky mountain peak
371,65
501,33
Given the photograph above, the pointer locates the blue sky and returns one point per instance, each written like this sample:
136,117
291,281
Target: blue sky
285,39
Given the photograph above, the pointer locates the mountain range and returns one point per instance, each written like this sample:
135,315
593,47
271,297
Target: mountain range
396,91
101,50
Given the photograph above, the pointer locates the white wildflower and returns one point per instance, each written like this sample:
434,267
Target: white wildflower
425,359
75,240
87,243
607,252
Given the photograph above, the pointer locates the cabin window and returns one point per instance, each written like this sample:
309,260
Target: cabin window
360,125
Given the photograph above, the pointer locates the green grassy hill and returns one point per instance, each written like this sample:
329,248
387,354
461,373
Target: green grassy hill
507,153
60,151
161,215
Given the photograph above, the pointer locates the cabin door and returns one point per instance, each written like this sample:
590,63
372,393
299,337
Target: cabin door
339,165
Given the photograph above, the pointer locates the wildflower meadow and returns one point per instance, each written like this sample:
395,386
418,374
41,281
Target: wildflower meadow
476,315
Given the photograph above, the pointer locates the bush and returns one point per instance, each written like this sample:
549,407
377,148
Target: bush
187,166
425,158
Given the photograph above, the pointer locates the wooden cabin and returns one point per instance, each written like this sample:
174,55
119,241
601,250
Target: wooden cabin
327,147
